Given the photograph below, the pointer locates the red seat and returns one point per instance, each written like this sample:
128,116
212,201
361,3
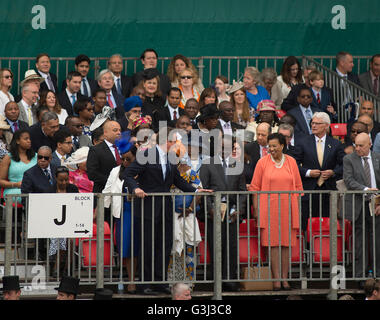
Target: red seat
19,205
320,237
88,248
201,246
298,250
243,227
253,254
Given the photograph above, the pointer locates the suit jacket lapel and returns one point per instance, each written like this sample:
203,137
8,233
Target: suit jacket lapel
314,150
108,153
376,165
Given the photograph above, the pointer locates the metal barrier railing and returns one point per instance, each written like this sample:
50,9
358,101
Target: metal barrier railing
347,94
331,242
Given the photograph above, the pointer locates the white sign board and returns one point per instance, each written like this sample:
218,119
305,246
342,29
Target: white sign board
60,215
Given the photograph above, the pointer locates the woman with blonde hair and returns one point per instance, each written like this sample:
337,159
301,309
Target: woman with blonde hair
255,92
6,79
187,78
178,63
243,114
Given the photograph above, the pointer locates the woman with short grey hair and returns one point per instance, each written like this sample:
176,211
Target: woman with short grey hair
268,79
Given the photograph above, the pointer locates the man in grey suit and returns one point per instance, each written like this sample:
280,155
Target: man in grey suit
222,174
370,79
361,171
28,102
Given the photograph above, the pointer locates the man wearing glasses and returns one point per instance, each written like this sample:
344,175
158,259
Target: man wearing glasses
43,135
75,126
304,112
321,165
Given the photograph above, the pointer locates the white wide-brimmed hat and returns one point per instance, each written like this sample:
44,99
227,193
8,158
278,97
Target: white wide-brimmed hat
79,156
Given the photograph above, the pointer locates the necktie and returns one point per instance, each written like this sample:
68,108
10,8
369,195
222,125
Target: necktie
73,99
46,171
15,126
227,125
367,172
375,89
118,86
110,101
308,118
30,118
174,115
320,160
318,98
265,151
51,86
117,155
85,90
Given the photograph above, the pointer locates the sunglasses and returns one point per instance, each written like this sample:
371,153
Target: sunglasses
356,131
186,77
8,77
39,157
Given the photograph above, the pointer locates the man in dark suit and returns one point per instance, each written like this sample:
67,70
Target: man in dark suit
221,174
43,135
39,179
171,112
114,100
75,126
43,66
64,147
123,83
225,122
88,85
192,110
149,59
304,111
361,171
344,66
158,174
287,131
259,148
103,157
12,112
370,79
320,164
71,94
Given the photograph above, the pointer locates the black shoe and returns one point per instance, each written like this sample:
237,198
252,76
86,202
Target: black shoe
149,292
231,287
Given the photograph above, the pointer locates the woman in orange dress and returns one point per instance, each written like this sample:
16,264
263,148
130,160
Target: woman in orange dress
277,172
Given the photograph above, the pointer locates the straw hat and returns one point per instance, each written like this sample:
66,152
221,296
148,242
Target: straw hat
3,123
31,75
266,105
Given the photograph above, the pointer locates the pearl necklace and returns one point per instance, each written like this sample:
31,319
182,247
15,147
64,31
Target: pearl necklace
280,163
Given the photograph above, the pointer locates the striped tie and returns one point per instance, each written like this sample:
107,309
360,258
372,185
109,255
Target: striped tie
367,172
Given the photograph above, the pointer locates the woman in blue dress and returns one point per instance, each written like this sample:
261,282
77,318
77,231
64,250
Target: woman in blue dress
20,158
255,93
123,222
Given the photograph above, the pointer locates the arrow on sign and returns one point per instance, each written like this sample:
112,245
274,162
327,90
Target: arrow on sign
82,231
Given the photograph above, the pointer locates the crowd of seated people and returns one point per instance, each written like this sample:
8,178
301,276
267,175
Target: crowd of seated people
95,128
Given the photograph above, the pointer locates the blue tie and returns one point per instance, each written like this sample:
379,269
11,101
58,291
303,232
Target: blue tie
73,99
118,86
85,91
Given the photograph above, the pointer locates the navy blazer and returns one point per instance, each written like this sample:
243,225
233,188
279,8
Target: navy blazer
35,180
43,85
151,180
332,160
326,98
65,102
100,162
126,86
301,125
163,114
92,83
119,108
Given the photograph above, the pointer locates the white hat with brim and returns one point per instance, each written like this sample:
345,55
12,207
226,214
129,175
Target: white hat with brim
31,75
79,156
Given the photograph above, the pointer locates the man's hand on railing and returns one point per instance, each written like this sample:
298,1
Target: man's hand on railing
204,190
140,193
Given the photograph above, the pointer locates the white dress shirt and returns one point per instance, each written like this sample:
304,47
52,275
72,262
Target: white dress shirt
226,126
110,145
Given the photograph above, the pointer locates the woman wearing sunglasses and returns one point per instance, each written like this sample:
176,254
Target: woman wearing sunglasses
6,79
187,79
21,157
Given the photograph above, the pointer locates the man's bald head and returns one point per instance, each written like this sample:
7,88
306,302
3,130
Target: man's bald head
263,130
112,131
365,118
363,144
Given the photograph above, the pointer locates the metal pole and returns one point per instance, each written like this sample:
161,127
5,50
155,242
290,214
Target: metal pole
333,292
8,235
100,242
217,248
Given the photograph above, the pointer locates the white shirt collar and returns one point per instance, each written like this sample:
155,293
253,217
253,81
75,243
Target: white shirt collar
323,139
340,73
69,93
43,74
25,104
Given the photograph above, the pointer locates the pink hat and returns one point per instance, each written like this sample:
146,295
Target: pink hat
266,105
